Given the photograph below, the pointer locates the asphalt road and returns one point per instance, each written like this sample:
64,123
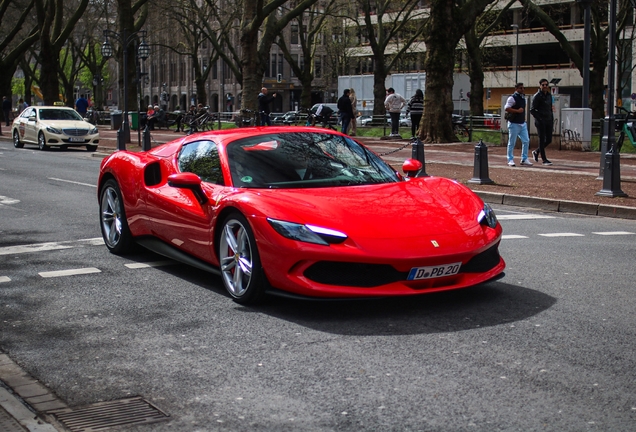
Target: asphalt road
549,347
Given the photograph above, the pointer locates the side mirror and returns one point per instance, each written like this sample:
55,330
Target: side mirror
32,118
411,167
188,181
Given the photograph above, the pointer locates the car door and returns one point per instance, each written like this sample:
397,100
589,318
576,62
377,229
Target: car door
176,215
28,125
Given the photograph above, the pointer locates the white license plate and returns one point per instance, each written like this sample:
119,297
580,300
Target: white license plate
418,273
76,139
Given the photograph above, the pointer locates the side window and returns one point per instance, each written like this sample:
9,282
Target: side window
28,112
202,159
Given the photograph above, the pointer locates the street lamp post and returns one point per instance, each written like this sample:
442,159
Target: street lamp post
143,52
586,52
612,169
516,27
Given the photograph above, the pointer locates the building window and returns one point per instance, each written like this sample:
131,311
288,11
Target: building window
215,71
280,64
173,75
273,65
317,67
182,73
294,34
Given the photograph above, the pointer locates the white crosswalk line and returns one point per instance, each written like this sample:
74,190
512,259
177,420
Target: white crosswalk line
512,236
524,217
70,272
562,235
5,279
611,233
42,247
74,182
149,264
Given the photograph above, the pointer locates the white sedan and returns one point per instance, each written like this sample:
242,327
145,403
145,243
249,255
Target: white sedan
59,126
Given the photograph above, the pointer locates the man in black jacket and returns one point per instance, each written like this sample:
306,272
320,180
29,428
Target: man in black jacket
345,109
263,106
543,119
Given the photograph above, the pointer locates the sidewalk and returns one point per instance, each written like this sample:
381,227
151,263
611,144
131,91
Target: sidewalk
570,185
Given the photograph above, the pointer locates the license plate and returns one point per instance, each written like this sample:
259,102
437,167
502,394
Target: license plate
418,273
76,139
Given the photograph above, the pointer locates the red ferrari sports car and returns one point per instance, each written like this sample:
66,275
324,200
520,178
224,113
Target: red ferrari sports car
298,211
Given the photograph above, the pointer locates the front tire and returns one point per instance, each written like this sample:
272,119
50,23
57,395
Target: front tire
241,270
91,148
42,142
16,140
115,230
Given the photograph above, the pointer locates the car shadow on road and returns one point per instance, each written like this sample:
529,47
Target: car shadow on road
481,306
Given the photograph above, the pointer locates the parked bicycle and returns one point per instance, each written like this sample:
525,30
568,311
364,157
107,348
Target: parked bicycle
199,122
459,126
626,126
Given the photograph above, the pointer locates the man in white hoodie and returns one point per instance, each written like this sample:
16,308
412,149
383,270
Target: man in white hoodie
394,104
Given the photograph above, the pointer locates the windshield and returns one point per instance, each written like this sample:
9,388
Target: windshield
58,114
303,160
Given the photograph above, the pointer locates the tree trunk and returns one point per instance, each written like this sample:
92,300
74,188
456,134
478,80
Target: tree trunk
476,74
379,92
436,125
49,81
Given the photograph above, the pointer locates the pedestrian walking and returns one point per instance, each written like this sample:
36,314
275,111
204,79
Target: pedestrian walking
353,128
542,111
263,106
416,108
346,110
81,105
6,109
517,127
22,105
394,103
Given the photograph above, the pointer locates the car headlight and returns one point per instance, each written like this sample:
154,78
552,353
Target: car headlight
487,216
307,233
53,130
93,131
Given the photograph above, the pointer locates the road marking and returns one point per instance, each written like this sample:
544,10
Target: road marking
610,233
74,182
42,247
70,272
524,217
512,236
5,279
562,235
7,200
149,264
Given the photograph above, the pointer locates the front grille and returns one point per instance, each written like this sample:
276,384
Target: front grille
371,275
353,274
75,132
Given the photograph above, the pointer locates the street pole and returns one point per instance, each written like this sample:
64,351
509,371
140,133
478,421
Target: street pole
586,52
612,171
143,52
516,27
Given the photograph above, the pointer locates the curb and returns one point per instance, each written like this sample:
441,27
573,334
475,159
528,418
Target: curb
563,206
24,398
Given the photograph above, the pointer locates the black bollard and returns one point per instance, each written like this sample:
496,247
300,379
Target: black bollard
146,140
121,140
480,173
417,153
603,148
612,167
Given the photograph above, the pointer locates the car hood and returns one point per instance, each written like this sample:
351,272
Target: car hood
67,124
424,209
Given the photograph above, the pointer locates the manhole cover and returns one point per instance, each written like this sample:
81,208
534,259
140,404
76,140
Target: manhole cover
8,423
104,415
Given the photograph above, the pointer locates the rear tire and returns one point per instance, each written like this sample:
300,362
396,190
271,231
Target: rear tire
16,140
113,223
